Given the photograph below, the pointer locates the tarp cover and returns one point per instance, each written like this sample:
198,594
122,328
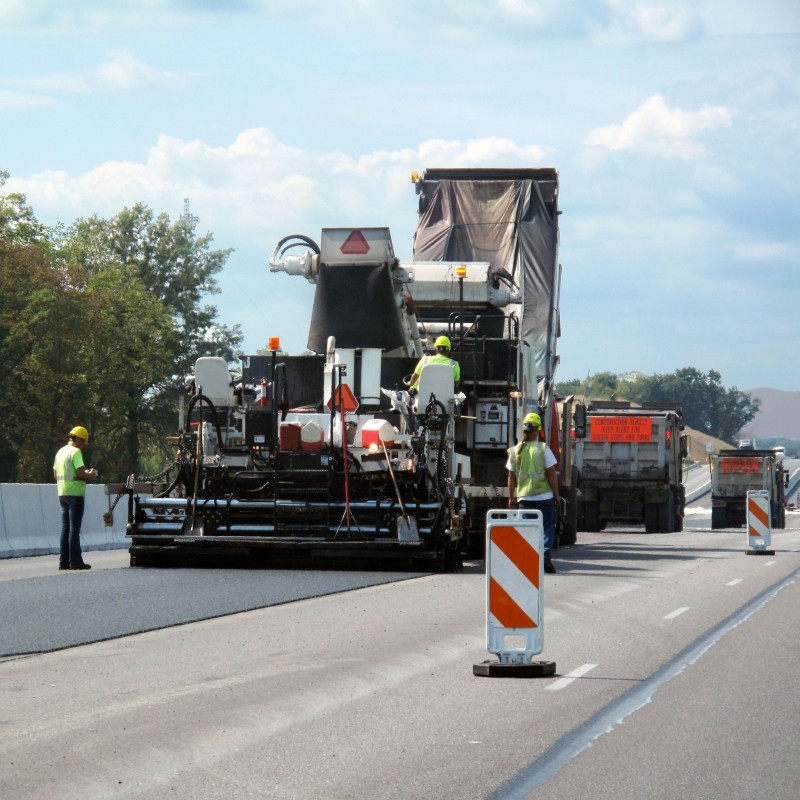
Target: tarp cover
513,225
356,304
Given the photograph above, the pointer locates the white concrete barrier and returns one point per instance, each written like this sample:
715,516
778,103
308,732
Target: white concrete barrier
30,520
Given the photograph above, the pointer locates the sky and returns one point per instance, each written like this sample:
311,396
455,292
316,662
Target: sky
674,126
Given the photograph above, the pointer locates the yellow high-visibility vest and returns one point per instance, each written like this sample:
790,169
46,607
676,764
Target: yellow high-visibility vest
68,461
527,460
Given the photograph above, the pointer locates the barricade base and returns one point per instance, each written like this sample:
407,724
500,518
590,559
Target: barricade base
494,669
759,552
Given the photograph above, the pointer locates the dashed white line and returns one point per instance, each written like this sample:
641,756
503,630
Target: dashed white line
734,582
569,678
676,613
769,563
609,718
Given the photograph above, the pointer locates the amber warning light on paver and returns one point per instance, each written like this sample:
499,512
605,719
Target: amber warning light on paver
621,429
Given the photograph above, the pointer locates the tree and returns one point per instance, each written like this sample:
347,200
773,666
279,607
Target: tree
602,386
23,267
18,224
707,405
99,323
82,350
177,266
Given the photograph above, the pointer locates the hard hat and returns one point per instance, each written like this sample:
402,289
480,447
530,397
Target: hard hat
80,432
531,420
442,341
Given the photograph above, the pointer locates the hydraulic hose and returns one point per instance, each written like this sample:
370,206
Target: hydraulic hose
440,480
202,398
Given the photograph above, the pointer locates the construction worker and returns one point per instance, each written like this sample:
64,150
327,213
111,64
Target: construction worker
532,481
442,347
71,476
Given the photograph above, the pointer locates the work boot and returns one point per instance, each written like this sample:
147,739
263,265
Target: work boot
549,567
82,565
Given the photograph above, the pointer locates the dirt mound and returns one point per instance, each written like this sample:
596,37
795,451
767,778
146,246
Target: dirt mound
698,442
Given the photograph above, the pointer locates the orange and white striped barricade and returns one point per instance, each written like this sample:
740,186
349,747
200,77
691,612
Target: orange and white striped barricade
514,594
759,530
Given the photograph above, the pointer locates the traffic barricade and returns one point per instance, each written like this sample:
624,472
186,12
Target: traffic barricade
759,529
514,594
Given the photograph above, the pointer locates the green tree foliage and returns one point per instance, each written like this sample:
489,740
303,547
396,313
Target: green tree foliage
602,386
99,322
175,264
18,224
707,405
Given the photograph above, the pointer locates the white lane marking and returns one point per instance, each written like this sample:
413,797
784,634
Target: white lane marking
676,613
572,676
609,718
769,563
734,582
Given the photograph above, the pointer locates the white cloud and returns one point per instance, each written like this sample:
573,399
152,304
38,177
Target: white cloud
655,129
257,178
636,20
123,71
120,71
768,252
10,101
488,151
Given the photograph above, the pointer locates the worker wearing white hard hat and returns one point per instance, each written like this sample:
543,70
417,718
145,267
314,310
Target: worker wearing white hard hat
442,356
533,482
71,476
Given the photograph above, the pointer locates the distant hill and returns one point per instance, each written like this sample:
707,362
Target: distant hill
779,414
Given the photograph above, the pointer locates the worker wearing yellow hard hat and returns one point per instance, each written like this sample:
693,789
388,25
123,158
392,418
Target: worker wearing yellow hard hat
442,356
71,476
533,481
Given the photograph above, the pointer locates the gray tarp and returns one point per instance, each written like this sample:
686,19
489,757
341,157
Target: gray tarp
508,218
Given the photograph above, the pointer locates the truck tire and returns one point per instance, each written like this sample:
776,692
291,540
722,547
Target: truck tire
718,518
591,523
666,514
567,527
680,508
651,518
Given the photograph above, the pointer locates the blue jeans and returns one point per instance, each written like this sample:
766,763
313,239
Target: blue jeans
71,518
549,516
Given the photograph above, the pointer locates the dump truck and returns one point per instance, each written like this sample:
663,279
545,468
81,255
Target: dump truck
736,472
329,455
629,466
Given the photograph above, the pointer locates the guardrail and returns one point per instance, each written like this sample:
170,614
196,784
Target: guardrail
30,520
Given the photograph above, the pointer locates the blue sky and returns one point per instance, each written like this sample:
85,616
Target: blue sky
675,127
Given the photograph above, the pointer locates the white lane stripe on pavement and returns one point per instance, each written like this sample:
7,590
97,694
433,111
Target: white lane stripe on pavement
569,678
676,613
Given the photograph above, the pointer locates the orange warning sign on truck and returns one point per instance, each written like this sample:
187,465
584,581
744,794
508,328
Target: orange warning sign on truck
621,429
740,465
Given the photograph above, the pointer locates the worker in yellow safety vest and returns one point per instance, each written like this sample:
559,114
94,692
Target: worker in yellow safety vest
442,347
533,482
71,476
